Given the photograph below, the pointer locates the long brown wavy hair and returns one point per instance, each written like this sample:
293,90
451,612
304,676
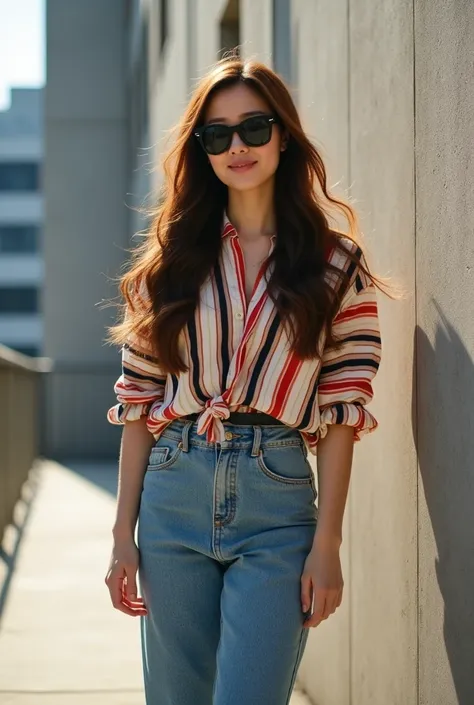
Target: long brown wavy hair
182,245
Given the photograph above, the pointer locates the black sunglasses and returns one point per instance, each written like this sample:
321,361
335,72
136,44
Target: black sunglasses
254,131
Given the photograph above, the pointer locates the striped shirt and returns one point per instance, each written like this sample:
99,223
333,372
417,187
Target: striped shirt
239,359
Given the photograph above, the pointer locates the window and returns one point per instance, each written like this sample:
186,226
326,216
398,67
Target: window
19,177
19,238
164,23
22,299
230,29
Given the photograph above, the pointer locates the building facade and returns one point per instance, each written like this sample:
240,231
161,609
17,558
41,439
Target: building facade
21,221
385,90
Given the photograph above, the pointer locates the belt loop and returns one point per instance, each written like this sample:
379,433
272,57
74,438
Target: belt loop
185,434
257,437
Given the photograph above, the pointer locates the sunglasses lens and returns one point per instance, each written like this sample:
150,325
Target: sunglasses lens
256,131
216,139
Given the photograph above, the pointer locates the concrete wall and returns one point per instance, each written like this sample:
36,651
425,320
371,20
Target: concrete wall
257,30
325,668
384,89
444,86
85,218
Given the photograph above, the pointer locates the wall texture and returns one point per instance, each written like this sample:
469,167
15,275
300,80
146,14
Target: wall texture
322,97
387,91
444,88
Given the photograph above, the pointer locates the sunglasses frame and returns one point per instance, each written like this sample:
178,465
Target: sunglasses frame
199,132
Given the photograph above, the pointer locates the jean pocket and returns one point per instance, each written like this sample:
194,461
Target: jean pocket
286,464
163,456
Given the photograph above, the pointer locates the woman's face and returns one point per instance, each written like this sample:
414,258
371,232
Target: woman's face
242,167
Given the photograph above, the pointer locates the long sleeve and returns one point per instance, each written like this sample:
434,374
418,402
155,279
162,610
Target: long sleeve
140,385
345,382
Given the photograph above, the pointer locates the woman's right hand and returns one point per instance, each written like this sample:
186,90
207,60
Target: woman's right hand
121,578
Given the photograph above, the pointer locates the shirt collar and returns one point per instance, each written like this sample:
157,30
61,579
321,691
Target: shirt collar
227,227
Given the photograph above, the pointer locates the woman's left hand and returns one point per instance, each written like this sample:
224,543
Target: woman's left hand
322,580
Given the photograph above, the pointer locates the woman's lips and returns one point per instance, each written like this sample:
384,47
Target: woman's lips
245,166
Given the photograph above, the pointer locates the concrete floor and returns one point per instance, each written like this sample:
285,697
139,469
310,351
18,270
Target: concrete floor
61,641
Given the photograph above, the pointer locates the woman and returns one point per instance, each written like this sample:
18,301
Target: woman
250,338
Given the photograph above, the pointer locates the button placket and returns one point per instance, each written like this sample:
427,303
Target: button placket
240,312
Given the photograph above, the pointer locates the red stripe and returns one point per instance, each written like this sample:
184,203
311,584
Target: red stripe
139,397
362,309
258,277
361,420
227,229
240,270
347,385
169,413
328,250
284,384
242,348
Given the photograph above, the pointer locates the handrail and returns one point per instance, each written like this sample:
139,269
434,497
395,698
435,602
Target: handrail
21,391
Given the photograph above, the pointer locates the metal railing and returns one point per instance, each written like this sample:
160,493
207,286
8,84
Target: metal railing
21,392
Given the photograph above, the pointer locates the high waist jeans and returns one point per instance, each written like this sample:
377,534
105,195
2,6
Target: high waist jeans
223,533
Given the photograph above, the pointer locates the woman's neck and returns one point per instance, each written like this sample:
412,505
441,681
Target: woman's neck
252,212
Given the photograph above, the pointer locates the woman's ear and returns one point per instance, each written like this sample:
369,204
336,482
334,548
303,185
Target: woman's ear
284,141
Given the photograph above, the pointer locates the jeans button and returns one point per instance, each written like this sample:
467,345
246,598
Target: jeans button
229,435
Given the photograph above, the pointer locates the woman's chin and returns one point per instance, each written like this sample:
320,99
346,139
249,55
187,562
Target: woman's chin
241,183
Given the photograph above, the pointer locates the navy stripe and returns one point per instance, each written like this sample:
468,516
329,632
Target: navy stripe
353,266
360,362
358,283
363,337
262,356
339,408
136,375
309,407
195,362
225,357
127,346
174,382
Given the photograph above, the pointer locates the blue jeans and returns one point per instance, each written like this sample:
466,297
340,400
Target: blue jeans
223,533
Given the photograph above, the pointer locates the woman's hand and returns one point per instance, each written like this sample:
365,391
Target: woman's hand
121,578
321,579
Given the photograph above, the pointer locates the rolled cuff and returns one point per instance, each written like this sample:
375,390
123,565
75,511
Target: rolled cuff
120,413
350,414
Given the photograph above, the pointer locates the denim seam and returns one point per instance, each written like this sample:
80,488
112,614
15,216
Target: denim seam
230,445
233,490
163,466
280,478
295,667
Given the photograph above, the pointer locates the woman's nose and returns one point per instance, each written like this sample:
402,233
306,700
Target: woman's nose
237,144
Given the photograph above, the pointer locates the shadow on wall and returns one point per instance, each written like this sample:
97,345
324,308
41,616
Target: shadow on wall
445,446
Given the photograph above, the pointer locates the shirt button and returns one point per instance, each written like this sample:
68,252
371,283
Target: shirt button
239,315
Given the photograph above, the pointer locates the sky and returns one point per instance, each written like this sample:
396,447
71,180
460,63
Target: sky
22,46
